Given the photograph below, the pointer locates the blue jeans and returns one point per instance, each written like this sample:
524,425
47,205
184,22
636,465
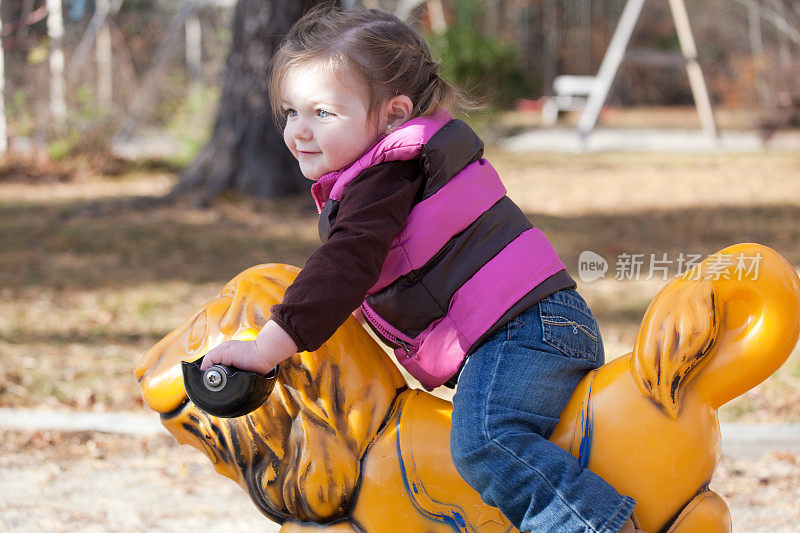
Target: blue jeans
509,399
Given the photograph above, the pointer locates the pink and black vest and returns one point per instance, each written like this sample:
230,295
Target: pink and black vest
467,260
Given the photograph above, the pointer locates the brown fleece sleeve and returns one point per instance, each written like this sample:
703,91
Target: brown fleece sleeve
337,276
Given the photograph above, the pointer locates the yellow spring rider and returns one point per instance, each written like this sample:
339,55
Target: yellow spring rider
343,444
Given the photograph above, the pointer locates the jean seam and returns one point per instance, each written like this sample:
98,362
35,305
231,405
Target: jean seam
566,352
547,483
611,520
586,329
485,414
585,312
619,510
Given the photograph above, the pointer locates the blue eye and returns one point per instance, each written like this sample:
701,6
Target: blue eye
321,113
288,113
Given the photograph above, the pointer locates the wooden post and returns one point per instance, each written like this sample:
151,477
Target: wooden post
616,51
609,66
774,18
105,80
55,31
695,73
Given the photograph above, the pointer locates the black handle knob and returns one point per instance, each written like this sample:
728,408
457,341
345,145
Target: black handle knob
226,391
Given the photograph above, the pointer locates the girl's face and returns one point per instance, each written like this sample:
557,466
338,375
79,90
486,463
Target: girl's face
327,119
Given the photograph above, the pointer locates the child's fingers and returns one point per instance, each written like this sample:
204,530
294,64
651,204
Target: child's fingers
221,354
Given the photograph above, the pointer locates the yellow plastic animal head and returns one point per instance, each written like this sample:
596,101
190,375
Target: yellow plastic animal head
299,454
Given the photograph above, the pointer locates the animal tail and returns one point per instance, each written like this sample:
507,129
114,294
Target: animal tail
678,331
725,326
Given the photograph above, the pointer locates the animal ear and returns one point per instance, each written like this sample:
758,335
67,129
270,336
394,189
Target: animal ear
677,332
197,333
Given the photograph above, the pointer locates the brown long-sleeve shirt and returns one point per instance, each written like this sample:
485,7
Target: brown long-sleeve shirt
337,276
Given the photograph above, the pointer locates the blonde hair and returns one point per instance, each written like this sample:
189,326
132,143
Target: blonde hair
388,56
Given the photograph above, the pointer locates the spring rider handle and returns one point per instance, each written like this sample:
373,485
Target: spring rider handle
226,391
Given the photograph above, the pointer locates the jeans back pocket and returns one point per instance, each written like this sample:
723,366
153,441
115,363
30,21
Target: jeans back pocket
568,325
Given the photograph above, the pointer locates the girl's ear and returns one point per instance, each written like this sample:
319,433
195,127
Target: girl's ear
397,112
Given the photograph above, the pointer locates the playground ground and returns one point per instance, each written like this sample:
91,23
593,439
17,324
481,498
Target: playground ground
84,293
99,482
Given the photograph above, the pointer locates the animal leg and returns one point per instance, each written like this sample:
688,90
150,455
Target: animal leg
706,512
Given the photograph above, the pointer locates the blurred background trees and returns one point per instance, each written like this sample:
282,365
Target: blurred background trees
246,152
183,73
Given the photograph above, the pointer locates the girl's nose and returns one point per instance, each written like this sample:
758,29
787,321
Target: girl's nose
301,131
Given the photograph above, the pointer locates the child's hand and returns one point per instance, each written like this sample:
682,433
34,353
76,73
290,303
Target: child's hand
270,347
241,354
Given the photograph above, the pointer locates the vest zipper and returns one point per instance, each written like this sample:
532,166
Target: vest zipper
405,347
386,333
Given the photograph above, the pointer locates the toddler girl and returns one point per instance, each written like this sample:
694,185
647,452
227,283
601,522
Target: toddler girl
418,233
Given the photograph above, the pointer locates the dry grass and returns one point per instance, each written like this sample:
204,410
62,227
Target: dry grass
81,296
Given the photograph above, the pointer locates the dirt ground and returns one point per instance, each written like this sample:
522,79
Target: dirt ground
94,482
83,294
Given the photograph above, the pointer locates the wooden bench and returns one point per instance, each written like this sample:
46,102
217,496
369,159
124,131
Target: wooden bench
571,94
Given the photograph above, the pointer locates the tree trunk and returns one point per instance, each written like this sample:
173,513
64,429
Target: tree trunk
246,153
55,31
